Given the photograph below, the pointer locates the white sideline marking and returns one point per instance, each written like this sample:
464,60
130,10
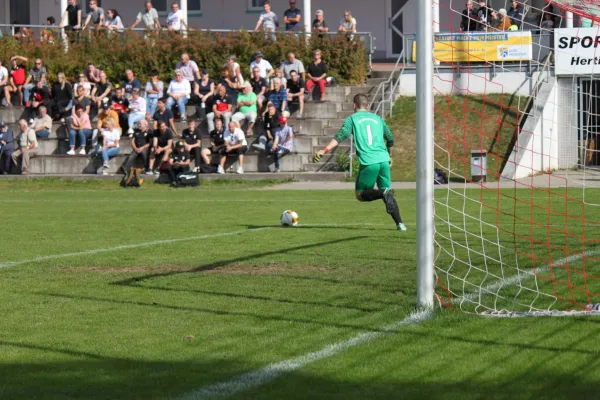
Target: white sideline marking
275,370
124,247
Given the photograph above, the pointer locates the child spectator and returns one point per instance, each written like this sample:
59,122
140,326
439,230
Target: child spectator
283,143
235,143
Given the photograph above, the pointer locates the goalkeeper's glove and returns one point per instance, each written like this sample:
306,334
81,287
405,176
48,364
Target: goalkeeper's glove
319,154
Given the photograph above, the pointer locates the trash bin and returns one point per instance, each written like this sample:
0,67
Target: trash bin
479,165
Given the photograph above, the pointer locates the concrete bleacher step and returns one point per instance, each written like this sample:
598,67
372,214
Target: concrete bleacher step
73,165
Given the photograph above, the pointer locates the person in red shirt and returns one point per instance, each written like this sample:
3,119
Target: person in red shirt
16,82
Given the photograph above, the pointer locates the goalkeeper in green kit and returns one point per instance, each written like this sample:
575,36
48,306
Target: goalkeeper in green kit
374,142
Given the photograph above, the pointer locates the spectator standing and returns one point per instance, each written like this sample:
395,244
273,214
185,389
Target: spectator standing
188,68
278,96
3,82
179,92
217,142
80,126
47,34
270,120
283,143
515,13
83,83
120,104
154,91
469,19
176,20
246,108
317,74
149,16
140,146
293,64
348,25
265,67
40,96
113,22
96,16
28,147
547,24
268,20
319,24
222,107
162,145
71,19
42,125
295,92
163,114
62,93
292,17
16,82
259,87
101,90
7,147
179,162
204,90
192,142
484,15
235,144
130,83
36,74
110,145
137,110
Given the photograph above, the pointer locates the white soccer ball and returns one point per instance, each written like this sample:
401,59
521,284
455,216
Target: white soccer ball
289,218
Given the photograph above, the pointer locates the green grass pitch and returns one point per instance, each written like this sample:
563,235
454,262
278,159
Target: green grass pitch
238,293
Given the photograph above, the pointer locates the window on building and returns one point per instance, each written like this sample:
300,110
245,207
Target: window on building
164,6
255,5
87,6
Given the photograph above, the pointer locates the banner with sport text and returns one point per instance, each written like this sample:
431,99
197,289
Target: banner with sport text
577,51
481,47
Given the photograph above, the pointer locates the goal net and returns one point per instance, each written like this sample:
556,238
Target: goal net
517,129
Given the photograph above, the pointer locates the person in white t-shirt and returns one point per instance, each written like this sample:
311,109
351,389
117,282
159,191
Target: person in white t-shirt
348,25
266,69
235,67
179,92
137,109
175,19
3,81
235,143
110,147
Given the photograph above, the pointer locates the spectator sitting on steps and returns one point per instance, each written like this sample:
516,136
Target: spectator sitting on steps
270,121
293,64
163,114
110,146
284,141
179,92
217,142
6,147
28,147
40,96
80,125
105,113
130,83
140,146
193,144
317,74
265,67
15,82
154,91
259,87
62,94
179,162
42,125
295,92
278,96
246,106
162,146
222,106
120,104
235,143
203,92
137,110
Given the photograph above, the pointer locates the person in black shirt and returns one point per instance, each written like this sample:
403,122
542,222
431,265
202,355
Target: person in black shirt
203,92
193,144
62,94
484,15
179,162
295,91
162,146
270,121
121,105
469,19
40,96
71,19
140,146
217,141
163,114
259,87
317,74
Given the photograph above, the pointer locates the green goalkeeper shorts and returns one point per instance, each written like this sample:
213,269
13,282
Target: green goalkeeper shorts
369,175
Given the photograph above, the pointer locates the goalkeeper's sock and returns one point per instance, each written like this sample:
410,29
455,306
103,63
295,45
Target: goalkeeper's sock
371,195
396,216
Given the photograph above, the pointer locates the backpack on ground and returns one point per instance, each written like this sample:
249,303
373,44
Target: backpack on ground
132,178
207,169
188,179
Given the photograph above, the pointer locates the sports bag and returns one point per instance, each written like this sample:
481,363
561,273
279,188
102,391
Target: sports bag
188,179
133,178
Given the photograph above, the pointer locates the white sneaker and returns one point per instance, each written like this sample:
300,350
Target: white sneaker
71,152
82,152
240,170
105,165
130,131
220,170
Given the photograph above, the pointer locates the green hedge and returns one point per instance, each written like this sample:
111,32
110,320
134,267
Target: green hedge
347,60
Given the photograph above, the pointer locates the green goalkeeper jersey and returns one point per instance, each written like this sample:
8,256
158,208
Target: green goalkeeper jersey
372,137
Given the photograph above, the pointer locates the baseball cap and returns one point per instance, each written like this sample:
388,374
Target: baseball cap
180,144
282,119
258,54
246,84
2,124
105,103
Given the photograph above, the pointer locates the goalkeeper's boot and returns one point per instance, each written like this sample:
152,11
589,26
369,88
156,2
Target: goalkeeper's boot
390,202
402,227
